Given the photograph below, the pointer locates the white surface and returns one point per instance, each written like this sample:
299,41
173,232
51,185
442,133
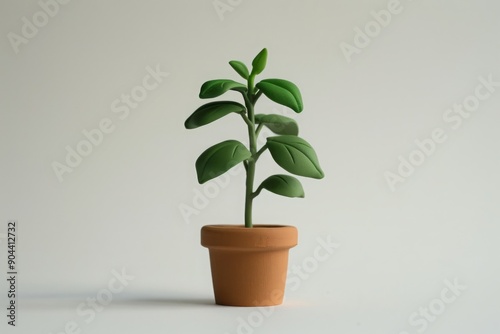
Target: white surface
120,208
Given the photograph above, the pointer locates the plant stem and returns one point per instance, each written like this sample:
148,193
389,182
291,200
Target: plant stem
262,149
250,170
259,127
249,193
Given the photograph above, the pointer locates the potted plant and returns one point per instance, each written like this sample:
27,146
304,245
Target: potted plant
249,262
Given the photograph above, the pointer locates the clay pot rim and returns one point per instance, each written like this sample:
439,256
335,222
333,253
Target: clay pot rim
227,226
239,237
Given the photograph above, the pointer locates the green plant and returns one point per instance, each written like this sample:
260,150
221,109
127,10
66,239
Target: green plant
288,150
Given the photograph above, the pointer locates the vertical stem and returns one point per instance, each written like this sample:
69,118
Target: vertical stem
249,193
253,149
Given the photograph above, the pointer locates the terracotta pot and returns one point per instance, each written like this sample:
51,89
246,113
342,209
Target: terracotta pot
249,265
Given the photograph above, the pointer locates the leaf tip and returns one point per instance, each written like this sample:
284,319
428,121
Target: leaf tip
259,62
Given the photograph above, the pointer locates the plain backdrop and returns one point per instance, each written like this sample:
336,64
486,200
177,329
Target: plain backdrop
373,87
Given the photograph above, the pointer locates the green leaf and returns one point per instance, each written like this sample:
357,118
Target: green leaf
284,185
278,124
283,92
259,62
295,155
214,88
218,159
212,111
239,67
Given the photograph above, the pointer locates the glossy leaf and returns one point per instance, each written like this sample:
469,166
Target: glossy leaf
284,185
295,155
259,62
218,159
283,92
212,111
240,68
214,88
278,124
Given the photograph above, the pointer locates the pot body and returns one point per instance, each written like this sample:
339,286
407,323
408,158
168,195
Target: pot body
249,265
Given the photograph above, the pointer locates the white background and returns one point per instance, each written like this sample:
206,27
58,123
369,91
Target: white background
120,208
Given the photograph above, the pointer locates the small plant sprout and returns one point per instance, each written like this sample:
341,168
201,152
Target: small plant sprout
292,153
